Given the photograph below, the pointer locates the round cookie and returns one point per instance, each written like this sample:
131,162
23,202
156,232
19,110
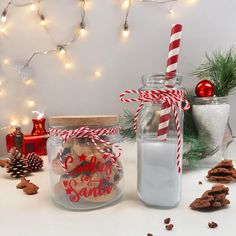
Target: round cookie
116,173
104,197
56,167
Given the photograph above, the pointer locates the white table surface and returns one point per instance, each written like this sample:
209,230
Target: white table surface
37,215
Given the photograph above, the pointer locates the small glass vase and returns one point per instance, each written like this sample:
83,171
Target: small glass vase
211,117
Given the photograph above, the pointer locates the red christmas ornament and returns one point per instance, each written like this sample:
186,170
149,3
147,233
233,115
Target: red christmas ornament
205,88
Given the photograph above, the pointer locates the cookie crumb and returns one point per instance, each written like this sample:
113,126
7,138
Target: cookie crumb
212,225
4,163
169,227
167,221
200,182
223,172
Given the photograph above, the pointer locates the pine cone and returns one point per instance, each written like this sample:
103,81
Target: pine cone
17,166
34,162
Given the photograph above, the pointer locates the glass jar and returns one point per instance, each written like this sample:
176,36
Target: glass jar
85,170
159,181
211,116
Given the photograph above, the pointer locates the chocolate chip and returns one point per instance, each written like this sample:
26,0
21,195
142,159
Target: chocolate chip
149,234
167,221
200,182
212,225
169,227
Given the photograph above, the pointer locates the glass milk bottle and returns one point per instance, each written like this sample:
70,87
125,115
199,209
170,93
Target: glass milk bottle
159,182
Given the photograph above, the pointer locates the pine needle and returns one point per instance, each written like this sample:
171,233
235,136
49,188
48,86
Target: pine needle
127,125
197,151
220,68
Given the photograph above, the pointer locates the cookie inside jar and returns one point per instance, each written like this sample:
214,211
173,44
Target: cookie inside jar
86,171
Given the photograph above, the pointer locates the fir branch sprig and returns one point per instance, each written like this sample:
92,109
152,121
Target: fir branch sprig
220,68
127,125
197,151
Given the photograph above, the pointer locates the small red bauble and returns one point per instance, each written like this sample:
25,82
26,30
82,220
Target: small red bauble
205,88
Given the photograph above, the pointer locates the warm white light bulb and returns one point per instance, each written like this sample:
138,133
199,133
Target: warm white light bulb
1,81
82,31
1,92
98,74
172,11
25,121
6,61
62,51
3,19
31,102
43,20
191,1
4,16
82,28
125,4
32,7
125,32
28,82
2,29
14,122
68,65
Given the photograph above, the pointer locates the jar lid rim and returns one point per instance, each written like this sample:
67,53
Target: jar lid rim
93,120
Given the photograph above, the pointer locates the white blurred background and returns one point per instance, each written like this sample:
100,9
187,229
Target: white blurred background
208,26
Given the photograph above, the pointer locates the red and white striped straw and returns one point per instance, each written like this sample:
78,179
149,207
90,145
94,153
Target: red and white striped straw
172,63
173,55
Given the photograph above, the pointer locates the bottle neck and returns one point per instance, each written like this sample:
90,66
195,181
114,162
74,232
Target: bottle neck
161,81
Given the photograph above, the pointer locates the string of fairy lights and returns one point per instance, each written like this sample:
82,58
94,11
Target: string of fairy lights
61,48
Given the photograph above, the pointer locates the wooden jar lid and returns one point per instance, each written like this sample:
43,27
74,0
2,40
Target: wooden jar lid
101,120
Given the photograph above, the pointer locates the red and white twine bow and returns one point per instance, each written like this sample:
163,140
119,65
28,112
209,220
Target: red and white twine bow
93,134
175,98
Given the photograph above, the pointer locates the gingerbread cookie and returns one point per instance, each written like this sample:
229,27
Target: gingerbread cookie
4,163
116,174
104,197
213,198
223,172
23,183
31,189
